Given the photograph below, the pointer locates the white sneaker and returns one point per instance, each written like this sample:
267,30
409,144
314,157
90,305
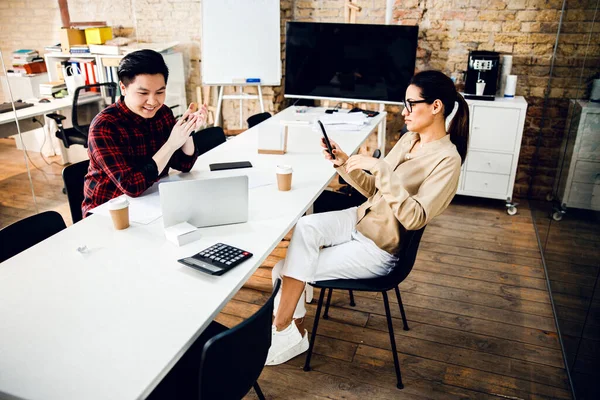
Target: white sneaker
286,344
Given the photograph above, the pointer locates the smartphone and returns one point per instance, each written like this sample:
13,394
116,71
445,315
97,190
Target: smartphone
327,143
230,165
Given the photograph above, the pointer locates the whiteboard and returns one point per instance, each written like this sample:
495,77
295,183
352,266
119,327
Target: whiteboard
241,39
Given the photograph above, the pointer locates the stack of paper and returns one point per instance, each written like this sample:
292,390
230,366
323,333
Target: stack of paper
345,121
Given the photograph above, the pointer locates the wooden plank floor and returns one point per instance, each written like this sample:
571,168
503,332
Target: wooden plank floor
16,200
477,304
481,323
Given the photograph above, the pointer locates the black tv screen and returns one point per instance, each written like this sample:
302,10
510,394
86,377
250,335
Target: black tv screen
349,61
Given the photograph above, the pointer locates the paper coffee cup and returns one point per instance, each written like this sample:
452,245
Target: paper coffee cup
284,177
119,211
479,88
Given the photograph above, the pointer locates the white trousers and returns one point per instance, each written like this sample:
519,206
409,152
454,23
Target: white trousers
328,246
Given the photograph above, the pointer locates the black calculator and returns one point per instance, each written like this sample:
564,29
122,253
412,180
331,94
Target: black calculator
217,259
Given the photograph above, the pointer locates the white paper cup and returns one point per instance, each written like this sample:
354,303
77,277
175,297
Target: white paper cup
284,177
479,88
119,211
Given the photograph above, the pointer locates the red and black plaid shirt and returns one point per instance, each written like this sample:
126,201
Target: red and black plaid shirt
120,146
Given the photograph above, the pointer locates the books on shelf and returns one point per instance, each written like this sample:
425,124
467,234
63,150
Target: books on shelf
105,49
49,88
80,49
27,62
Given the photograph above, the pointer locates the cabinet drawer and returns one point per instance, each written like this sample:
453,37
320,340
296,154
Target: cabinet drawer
589,148
486,183
587,172
584,195
489,162
494,128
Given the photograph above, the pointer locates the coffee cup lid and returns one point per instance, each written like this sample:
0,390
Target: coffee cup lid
284,169
118,203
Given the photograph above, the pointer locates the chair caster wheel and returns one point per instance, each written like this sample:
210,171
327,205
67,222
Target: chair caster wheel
557,216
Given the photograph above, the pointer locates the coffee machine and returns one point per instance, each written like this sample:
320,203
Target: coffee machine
482,75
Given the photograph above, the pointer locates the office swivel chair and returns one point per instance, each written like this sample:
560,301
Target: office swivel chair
257,119
73,176
230,360
27,232
406,260
78,134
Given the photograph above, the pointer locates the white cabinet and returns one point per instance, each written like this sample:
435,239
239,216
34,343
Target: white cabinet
495,137
176,95
577,183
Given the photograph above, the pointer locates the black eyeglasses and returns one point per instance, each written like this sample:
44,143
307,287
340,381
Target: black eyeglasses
408,104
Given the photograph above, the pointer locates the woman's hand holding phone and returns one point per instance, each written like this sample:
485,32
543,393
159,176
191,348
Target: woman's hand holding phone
340,156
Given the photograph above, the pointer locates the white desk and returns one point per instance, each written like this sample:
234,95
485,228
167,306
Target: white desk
38,109
111,323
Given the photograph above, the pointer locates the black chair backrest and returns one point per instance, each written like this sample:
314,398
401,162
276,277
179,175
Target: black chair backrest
73,176
209,138
233,360
407,255
27,232
257,119
110,91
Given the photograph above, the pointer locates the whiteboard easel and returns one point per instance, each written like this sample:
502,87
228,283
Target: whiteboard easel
241,46
241,96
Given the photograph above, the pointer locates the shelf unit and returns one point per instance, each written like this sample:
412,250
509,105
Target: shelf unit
577,183
176,95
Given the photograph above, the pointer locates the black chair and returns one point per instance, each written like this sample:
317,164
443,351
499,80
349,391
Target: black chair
406,259
208,138
230,360
27,232
73,177
257,119
78,134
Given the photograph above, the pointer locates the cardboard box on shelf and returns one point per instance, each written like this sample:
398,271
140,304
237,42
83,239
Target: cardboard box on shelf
98,35
70,37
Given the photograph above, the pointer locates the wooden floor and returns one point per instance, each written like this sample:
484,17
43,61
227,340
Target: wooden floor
16,200
572,253
481,324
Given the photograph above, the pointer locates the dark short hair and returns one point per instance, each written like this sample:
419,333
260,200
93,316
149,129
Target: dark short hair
141,62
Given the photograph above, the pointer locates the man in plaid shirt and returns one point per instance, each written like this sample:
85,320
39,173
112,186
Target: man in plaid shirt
136,140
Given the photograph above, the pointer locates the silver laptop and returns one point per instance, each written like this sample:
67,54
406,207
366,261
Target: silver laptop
206,202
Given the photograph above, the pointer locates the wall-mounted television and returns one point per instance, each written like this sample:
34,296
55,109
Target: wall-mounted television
352,62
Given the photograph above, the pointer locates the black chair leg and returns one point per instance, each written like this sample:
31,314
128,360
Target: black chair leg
259,392
352,303
404,321
313,335
388,315
326,313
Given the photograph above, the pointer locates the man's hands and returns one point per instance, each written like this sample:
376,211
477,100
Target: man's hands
183,128
353,163
192,120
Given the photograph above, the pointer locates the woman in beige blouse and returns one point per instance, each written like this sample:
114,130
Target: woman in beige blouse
414,183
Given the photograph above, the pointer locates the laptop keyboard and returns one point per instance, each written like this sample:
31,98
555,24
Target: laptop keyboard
217,259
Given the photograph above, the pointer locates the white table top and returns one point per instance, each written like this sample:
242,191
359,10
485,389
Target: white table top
110,324
43,108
